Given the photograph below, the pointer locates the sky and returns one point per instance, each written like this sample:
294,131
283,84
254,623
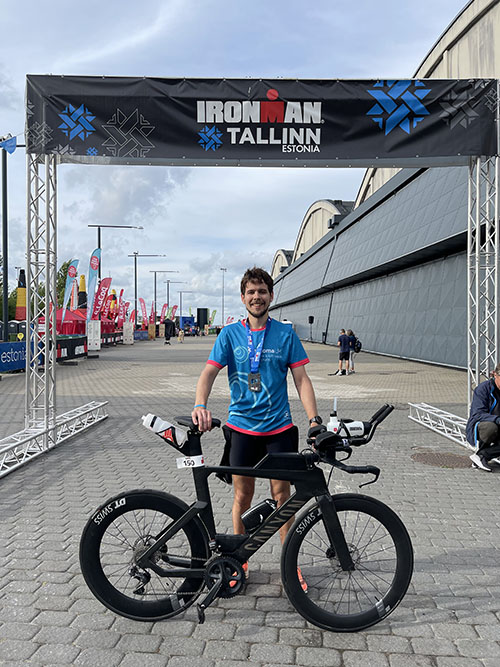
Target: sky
206,218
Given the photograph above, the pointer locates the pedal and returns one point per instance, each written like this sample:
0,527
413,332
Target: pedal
207,600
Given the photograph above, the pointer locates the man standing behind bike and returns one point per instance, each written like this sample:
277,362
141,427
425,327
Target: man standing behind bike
258,353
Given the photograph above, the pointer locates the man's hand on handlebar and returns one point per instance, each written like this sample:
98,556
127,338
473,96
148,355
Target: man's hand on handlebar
202,417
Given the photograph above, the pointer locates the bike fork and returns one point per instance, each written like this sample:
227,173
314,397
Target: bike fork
335,533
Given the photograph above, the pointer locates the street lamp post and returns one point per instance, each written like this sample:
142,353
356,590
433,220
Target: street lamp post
223,272
180,300
135,255
155,272
171,282
99,237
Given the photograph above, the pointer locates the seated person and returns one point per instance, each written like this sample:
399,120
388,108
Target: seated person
483,425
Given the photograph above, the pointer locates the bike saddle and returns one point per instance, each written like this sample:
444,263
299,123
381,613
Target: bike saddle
187,421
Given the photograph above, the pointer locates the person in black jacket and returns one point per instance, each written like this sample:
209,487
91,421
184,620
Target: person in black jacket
483,425
169,330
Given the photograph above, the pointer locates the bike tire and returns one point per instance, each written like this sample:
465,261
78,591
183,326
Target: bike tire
115,534
383,557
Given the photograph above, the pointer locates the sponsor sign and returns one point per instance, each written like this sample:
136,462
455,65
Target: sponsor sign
100,297
279,122
12,356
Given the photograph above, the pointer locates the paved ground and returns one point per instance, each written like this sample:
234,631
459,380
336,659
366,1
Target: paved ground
450,617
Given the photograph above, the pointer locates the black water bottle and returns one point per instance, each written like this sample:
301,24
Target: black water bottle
254,516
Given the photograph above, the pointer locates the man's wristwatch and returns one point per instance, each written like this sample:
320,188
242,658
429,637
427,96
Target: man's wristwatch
315,420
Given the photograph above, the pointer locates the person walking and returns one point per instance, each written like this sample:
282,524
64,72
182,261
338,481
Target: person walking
352,351
258,353
483,426
343,344
169,330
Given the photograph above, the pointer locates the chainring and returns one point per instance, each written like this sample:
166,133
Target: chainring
227,569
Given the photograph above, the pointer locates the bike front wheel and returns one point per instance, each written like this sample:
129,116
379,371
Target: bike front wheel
116,536
382,554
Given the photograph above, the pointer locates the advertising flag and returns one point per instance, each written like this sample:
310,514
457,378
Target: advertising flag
132,316
70,280
163,311
212,317
100,297
73,304
106,307
121,312
152,316
174,310
144,312
95,261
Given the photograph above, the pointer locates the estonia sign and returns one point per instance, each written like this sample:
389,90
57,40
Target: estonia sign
255,122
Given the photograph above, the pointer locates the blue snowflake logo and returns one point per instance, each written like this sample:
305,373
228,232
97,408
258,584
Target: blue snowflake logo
76,122
399,104
92,151
211,138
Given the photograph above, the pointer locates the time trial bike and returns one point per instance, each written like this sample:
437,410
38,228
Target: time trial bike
147,555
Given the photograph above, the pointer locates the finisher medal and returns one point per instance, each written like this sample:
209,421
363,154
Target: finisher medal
254,383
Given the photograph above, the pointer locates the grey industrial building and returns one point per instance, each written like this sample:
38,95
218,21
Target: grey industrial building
394,267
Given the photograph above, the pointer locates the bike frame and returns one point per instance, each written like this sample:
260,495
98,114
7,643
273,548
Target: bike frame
299,469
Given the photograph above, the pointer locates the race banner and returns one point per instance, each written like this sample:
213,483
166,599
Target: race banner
120,297
121,312
152,316
132,317
106,307
95,260
70,281
261,122
100,297
174,310
163,312
144,312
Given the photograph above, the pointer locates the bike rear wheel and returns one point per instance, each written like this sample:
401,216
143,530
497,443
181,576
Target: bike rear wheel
382,553
116,536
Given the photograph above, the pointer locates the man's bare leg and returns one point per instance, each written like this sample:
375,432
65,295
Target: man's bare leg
244,488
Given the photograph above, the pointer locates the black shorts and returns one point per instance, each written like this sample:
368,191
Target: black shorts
344,356
247,450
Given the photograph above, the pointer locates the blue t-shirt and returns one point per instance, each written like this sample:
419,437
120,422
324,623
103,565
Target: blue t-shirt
267,411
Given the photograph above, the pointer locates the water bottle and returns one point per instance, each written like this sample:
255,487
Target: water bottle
173,435
254,516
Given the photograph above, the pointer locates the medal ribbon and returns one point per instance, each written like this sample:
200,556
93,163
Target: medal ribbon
254,353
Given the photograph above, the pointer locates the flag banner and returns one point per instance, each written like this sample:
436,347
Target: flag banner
70,281
174,310
100,298
255,122
20,314
121,312
73,304
212,317
144,312
152,316
9,144
132,316
163,312
95,260
106,307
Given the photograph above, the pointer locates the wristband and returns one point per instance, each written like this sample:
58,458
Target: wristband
200,405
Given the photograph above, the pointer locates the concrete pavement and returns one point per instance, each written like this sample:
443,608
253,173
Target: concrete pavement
449,618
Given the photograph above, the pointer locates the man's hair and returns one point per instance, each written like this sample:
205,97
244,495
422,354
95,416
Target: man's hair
497,369
349,332
342,331
256,275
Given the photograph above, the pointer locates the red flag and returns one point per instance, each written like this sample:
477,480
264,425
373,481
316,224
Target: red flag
152,316
163,311
144,312
174,309
107,306
121,312
100,297
132,316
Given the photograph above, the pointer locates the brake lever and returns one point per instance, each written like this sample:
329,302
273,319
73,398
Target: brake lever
376,474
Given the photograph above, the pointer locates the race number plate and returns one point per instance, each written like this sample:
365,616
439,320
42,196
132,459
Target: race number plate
191,461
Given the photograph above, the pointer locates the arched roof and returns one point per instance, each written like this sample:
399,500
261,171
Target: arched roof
468,48
281,260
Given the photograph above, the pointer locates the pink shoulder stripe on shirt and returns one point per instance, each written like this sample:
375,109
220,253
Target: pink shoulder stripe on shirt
299,363
214,363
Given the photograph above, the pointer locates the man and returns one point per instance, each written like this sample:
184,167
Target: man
169,330
258,353
483,425
343,343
